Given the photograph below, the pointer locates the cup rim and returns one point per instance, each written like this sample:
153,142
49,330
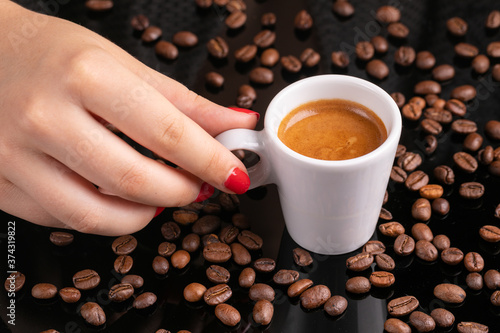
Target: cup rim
393,133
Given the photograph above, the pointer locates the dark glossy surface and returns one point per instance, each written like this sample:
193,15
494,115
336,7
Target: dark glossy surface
41,261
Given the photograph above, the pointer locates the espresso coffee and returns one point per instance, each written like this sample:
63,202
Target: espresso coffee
332,129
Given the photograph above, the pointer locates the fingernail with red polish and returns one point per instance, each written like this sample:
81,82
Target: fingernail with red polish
245,111
206,192
238,181
159,210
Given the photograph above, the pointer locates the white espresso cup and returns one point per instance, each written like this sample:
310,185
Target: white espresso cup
329,207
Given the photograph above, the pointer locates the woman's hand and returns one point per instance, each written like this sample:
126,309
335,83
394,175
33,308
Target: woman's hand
57,85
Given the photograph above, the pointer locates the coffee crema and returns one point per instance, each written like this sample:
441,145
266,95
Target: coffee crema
332,129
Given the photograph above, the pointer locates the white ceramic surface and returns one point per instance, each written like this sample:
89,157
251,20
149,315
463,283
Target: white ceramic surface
329,207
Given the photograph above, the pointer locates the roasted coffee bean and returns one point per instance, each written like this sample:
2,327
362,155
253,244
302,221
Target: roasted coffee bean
264,265
465,162
416,180
490,233
421,231
431,126
268,19
124,245
364,50
99,5
485,156
422,321
44,291
473,141
335,305
402,306
463,93
217,274
135,280
452,256
471,327
493,49
245,53
382,279
240,254
303,20
236,20
181,258
443,317
466,50
139,22
398,30
165,249
144,300
185,39
492,129
261,75
217,47
427,87
431,99
61,238
123,264
473,262
194,292
204,3
359,262
227,314
425,60
291,63
440,206
250,240
411,112
214,79
493,20
443,72
343,8
218,294
385,214
404,245
474,281
315,296
170,231
409,161
160,265
263,312
340,59
495,73
14,282
391,229
209,239
70,294
385,262
246,279
417,101
358,285
246,96
395,325
400,99
121,292
86,279
450,293
492,279
298,287
228,234
309,57
151,34
191,242
302,257
388,14
93,314
497,211
441,242
455,106
236,5
457,26
440,115
260,291
184,217
480,64
206,225
494,168
377,68
398,175
265,38
374,247
426,251
471,190
421,209
405,56
431,191
166,50
444,174
495,298
269,57
285,277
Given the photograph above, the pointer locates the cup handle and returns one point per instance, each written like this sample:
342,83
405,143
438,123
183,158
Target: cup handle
253,141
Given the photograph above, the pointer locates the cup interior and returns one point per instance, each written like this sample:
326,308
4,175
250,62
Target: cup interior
329,87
